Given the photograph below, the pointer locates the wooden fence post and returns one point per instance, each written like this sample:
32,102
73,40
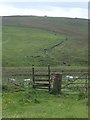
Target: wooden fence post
49,77
33,76
57,83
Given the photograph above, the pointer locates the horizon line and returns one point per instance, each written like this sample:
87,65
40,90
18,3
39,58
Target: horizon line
42,16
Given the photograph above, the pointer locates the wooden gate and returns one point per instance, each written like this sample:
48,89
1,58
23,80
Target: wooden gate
41,81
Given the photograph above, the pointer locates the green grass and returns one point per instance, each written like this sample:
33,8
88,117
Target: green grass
22,46
23,43
41,104
25,38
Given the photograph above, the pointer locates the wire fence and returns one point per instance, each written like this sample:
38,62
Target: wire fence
79,81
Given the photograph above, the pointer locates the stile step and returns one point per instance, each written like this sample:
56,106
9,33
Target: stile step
39,84
41,75
39,87
41,80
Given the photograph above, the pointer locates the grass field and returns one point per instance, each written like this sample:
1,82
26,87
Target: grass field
26,102
41,104
27,48
31,40
60,42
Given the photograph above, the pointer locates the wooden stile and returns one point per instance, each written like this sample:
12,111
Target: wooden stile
41,83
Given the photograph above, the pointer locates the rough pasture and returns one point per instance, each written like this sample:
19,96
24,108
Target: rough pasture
38,40
25,40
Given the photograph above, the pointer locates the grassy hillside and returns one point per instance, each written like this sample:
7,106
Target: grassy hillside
40,41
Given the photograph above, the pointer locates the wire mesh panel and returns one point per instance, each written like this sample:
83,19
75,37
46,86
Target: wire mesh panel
22,78
75,81
13,80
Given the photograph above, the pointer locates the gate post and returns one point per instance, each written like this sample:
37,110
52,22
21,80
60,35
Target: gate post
49,77
57,83
33,76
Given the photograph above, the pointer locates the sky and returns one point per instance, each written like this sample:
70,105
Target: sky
52,8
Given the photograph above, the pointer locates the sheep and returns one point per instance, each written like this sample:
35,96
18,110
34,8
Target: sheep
27,81
71,78
76,77
12,80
